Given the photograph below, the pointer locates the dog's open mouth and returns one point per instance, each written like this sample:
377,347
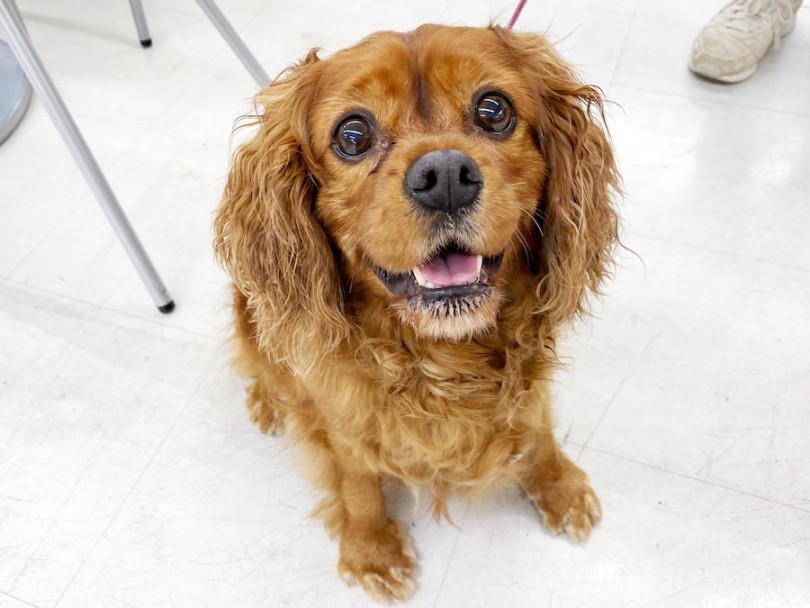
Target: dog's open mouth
453,280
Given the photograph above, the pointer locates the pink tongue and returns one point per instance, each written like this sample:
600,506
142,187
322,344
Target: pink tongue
451,269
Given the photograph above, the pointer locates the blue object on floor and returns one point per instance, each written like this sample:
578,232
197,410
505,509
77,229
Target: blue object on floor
15,92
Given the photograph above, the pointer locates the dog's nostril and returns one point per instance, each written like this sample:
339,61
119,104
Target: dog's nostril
469,177
431,179
445,180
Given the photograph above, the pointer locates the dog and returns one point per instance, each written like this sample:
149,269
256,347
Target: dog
412,224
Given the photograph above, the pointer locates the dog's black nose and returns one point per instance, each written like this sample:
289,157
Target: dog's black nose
446,180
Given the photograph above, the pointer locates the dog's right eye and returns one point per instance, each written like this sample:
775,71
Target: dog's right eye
494,114
354,136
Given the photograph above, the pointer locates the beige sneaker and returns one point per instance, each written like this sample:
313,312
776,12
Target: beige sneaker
730,46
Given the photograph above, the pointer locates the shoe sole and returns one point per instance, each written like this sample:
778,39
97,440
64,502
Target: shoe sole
724,78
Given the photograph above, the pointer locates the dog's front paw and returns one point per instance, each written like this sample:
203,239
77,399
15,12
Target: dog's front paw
268,420
571,507
262,412
382,562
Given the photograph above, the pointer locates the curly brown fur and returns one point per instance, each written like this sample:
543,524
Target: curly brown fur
372,386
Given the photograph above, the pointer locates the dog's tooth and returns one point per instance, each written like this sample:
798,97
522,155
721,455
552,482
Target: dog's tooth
479,263
420,278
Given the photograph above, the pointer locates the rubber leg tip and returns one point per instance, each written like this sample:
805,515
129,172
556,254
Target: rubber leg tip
146,43
167,308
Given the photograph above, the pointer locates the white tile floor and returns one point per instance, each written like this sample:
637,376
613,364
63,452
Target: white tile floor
129,474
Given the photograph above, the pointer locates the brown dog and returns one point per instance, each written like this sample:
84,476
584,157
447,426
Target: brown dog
413,224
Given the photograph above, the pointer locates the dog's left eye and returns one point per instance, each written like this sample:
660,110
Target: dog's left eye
354,136
494,114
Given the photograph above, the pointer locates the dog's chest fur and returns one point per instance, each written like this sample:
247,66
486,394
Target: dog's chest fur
454,416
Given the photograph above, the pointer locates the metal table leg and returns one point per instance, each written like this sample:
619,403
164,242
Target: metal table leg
235,42
17,38
140,23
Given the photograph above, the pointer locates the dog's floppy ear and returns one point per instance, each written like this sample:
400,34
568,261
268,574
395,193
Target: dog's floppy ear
576,213
266,234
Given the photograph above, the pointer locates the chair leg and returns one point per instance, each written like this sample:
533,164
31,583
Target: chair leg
235,42
140,23
12,26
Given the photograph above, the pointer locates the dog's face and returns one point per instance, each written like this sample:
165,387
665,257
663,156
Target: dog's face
429,172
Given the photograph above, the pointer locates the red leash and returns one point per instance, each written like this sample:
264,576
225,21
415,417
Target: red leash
516,14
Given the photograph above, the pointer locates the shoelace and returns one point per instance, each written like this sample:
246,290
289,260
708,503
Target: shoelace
740,16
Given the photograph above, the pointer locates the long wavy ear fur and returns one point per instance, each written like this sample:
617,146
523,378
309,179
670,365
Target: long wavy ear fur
266,234
578,219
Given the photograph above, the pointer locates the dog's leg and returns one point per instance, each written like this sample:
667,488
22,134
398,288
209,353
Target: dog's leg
264,393
560,490
375,551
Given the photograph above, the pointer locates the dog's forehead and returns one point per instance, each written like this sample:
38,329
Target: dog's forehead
427,76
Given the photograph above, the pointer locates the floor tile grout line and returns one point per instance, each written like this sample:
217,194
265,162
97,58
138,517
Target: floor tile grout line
128,315
450,559
137,482
14,597
624,47
602,416
616,394
732,254
719,102
46,236
699,480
